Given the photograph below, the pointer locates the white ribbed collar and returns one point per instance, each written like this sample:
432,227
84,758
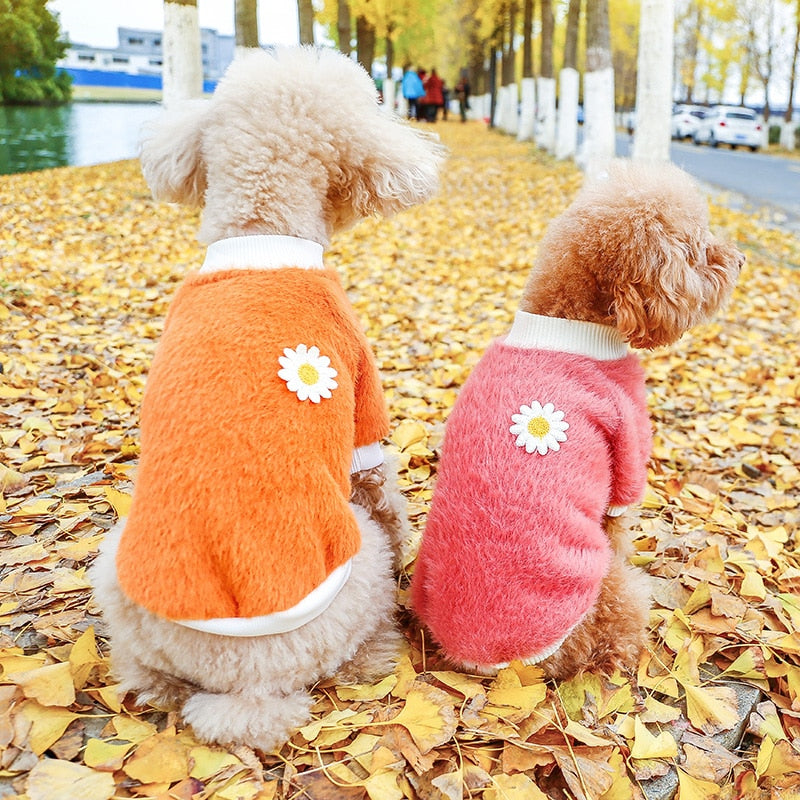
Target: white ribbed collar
262,252
601,342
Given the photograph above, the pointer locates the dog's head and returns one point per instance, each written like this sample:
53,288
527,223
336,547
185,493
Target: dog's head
636,251
292,142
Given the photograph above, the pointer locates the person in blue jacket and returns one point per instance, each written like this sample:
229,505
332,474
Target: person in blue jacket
413,90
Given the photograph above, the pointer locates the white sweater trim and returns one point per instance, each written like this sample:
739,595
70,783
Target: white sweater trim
310,607
366,457
532,331
262,252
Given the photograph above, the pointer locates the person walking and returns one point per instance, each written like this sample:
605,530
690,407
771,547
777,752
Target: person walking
413,90
434,98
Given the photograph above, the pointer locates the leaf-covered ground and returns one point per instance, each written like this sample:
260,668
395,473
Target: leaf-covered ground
89,264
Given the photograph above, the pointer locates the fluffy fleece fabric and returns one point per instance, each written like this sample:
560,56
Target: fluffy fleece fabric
241,503
538,447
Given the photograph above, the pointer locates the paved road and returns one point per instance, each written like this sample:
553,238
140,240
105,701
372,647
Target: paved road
756,180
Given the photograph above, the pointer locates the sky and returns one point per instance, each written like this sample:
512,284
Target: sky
95,22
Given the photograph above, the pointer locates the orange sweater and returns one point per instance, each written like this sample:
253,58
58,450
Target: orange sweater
241,502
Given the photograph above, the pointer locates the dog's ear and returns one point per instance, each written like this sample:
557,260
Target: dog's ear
658,294
724,256
384,167
171,154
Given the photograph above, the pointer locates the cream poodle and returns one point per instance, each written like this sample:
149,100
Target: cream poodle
525,552
258,554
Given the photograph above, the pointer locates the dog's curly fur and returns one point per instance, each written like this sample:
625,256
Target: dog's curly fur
634,251
292,143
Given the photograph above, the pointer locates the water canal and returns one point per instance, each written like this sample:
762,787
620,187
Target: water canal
77,134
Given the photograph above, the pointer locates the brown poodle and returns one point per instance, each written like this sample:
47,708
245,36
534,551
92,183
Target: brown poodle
257,557
525,552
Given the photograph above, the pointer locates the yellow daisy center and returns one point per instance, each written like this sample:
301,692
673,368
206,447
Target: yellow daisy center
538,427
308,374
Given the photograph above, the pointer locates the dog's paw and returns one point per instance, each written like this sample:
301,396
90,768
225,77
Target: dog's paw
259,720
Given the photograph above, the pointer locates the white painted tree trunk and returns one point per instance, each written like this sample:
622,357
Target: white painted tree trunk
480,107
402,106
183,63
787,134
546,114
651,138
499,108
567,120
527,117
599,143
509,121
388,95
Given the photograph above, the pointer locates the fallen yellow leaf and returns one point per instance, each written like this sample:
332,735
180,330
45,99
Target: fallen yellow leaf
159,759
712,709
51,779
51,685
648,745
428,716
694,788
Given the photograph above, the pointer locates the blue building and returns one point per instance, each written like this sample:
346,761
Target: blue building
133,68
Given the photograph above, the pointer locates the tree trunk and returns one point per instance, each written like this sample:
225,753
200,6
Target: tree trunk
389,45
654,81
692,54
598,36
513,13
793,75
246,21
548,25
183,63
527,39
599,130
787,129
343,26
305,18
571,41
567,121
365,43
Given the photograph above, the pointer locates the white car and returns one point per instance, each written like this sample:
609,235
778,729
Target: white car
685,120
731,125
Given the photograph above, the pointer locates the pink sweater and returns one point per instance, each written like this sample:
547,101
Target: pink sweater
540,446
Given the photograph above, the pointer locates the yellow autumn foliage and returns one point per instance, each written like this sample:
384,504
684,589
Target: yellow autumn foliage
89,264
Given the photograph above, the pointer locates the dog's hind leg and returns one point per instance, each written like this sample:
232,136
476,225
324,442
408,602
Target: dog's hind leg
375,658
377,491
261,717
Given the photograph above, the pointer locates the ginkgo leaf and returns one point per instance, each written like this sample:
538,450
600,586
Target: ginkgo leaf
428,716
65,780
105,756
409,433
375,691
649,745
159,759
47,724
84,657
513,787
510,699
51,685
711,709
694,788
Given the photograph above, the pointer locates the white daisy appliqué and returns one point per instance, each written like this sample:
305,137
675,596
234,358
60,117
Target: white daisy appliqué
539,428
307,373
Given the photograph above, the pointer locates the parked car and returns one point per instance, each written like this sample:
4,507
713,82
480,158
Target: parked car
685,119
731,125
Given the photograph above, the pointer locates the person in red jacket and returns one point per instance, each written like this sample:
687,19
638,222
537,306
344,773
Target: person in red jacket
434,97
